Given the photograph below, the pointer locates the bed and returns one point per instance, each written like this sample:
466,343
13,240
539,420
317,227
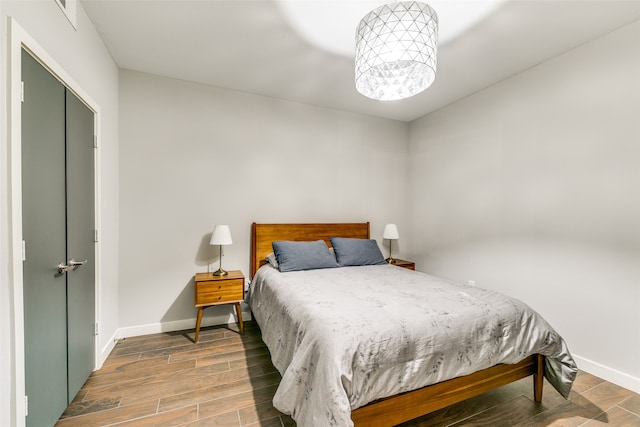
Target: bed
332,336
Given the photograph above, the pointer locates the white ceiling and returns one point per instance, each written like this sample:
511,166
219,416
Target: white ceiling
251,46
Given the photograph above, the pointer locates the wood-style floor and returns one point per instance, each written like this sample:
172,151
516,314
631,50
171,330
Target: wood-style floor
228,380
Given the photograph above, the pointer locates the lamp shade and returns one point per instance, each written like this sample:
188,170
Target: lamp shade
221,235
390,232
396,48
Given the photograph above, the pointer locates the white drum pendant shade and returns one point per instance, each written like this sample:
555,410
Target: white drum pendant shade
396,47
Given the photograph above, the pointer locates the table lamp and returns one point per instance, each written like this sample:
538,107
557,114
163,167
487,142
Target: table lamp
390,233
221,236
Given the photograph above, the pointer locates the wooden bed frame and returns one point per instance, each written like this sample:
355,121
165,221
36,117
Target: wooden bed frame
403,407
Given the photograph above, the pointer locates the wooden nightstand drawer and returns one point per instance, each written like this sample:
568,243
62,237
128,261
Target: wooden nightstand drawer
219,291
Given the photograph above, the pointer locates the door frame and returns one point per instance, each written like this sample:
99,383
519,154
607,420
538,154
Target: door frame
19,39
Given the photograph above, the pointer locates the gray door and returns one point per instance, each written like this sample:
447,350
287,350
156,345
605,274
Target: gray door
58,224
80,242
44,232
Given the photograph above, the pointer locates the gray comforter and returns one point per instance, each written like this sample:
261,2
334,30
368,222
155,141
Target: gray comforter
343,337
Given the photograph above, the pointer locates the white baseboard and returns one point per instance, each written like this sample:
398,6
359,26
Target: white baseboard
177,325
106,350
154,328
606,373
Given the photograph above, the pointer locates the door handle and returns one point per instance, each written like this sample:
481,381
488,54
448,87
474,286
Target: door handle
70,265
63,268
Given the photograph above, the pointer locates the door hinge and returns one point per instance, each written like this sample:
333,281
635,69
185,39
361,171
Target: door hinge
95,329
95,236
26,406
24,251
22,91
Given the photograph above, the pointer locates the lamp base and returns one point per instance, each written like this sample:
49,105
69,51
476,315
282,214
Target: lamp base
220,272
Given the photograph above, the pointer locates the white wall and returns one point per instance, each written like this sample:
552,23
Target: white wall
83,56
194,156
532,187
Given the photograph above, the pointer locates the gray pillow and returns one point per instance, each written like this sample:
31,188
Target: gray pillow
352,252
294,256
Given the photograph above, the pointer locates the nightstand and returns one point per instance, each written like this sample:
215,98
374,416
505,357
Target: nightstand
215,290
404,264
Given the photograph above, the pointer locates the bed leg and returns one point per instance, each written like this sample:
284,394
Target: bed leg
538,380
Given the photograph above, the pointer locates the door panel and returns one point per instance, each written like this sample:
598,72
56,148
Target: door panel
44,292
58,225
80,242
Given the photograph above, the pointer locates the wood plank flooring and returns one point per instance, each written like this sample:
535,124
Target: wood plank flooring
228,380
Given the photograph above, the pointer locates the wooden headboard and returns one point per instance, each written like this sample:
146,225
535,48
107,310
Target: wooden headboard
263,234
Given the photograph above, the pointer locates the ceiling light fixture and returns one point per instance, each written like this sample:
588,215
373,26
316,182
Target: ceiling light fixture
396,47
